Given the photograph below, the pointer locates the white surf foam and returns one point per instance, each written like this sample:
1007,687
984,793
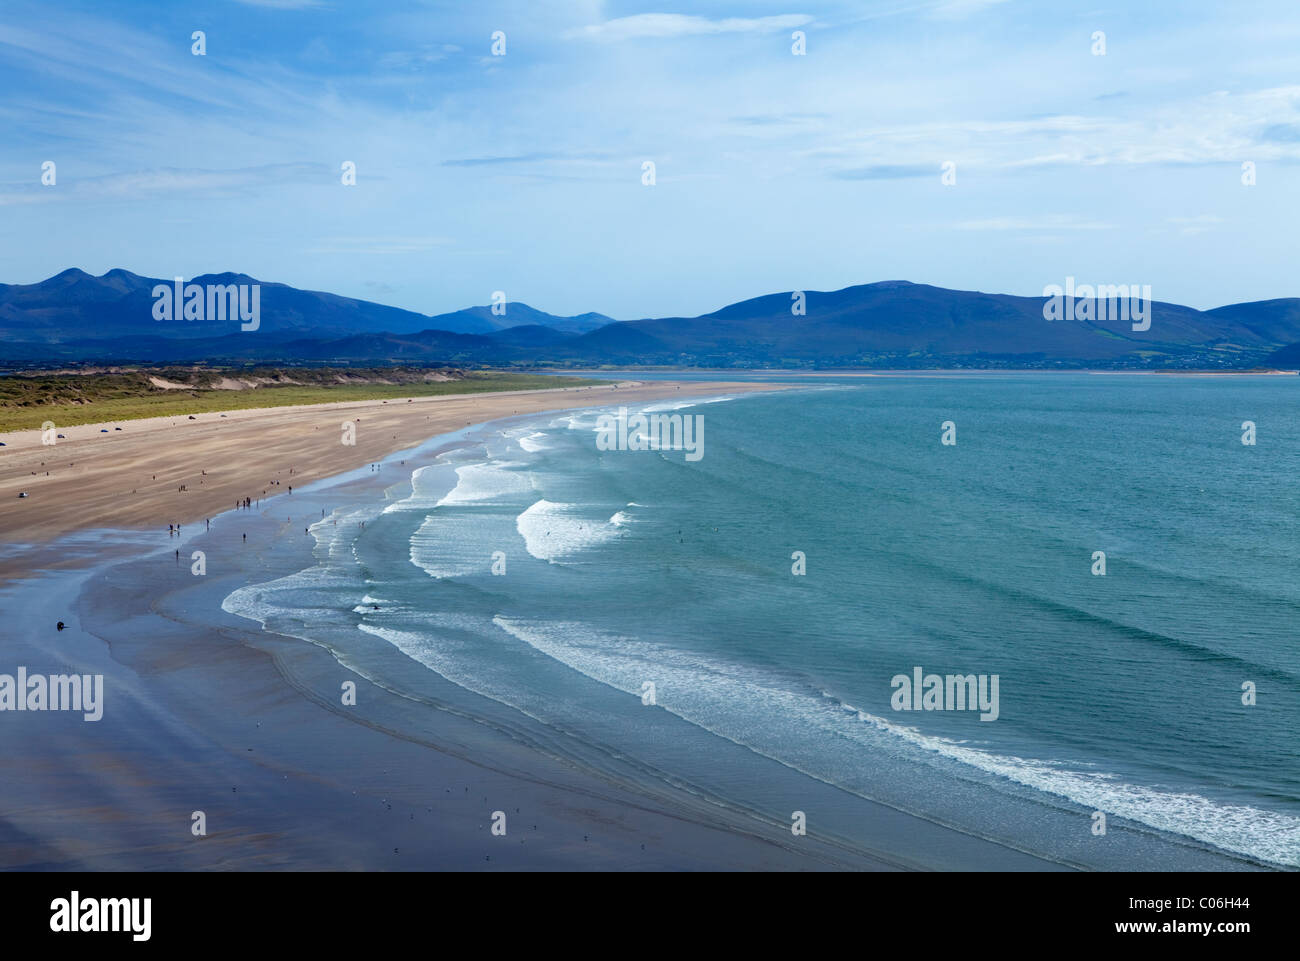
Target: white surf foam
427,487
794,728
493,481
532,442
450,544
554,531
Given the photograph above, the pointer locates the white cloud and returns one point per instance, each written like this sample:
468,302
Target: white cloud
659,25
1209,129
149,183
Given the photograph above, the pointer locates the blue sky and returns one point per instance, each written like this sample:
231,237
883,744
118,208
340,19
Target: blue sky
523,173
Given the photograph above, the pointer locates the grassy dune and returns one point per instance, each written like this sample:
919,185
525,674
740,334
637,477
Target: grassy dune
26,401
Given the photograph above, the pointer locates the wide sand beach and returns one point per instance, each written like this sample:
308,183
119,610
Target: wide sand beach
209,721
176,470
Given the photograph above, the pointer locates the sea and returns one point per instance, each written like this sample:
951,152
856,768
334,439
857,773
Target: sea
1121,552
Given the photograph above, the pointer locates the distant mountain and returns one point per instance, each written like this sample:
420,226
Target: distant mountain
481,320
894,324
1288,358
75,305
897,323
1274,320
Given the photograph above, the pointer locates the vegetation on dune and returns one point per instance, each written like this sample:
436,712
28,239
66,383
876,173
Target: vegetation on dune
69,399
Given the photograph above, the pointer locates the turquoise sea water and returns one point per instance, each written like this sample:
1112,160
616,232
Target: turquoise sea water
1119,693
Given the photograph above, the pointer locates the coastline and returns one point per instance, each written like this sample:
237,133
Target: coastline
134,478
214,714
206,712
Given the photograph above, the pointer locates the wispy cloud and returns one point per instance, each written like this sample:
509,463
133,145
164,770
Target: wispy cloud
495,161
1281,133
664,25
572,157
281,4
776,120
378,245
1200,224
959,9
410,60
244,146
887,172
1217,128
134,184
1052,223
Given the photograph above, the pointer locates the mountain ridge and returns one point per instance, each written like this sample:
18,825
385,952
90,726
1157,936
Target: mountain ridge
894,323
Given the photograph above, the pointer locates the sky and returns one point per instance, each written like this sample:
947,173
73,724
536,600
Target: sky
524,172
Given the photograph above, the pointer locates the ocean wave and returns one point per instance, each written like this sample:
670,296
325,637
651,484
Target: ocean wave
763,712
679,404
531,442
493,481
428,486
460,545
554,531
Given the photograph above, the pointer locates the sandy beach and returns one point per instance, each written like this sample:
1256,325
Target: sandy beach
204,713
173,470
207,716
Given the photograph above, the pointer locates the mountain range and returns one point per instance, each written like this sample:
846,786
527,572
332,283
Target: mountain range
76,317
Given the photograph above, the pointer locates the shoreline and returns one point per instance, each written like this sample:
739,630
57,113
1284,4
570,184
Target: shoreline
208,712
205,711
172,470
908,371
213,713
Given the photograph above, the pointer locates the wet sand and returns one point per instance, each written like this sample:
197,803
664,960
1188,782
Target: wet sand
206,713
172,470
